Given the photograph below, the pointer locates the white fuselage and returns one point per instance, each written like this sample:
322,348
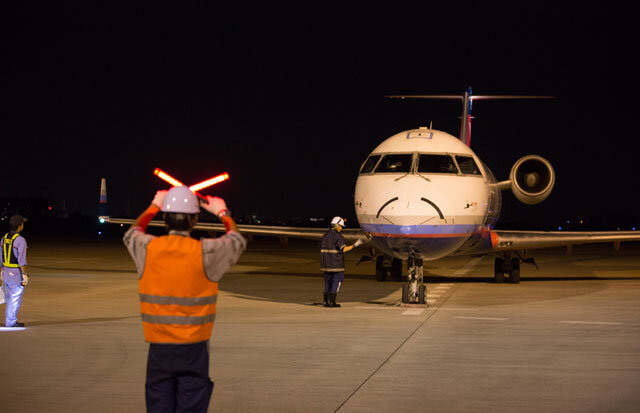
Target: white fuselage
423,193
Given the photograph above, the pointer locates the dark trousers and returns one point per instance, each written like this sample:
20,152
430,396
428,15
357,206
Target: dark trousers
332,281
178,378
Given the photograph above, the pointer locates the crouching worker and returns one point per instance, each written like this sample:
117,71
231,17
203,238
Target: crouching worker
178,280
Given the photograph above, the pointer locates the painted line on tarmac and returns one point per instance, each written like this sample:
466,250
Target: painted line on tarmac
378,308
469,266
483,318
606,323
413,311
459,309
12,328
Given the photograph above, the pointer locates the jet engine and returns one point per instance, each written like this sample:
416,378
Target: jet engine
532,179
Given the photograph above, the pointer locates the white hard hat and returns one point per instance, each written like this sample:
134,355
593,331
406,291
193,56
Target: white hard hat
182,200
338,221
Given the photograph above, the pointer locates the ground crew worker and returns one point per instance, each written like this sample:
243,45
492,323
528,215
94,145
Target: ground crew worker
332,249
178,283
14,269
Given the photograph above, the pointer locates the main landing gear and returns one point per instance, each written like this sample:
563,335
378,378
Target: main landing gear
414,291
387,266
506,264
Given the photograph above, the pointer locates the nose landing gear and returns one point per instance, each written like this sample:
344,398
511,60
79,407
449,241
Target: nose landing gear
414,291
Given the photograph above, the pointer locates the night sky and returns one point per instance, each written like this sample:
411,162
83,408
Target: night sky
291,111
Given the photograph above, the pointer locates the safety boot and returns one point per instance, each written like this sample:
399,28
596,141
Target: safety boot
332,297
325,300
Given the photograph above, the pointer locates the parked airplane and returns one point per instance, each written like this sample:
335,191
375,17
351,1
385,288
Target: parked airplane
423,194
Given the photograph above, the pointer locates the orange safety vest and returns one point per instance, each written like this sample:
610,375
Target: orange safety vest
177,300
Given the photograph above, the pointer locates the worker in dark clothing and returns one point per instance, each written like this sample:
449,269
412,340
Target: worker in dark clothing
332,249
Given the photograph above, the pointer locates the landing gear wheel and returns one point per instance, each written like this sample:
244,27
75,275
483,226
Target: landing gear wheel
396,270
514,275
381,271
422,294
499,270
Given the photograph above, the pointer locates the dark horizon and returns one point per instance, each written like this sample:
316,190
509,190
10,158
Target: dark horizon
291,111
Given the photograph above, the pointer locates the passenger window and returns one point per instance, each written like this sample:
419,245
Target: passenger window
368,166
467,165
395,163
437,164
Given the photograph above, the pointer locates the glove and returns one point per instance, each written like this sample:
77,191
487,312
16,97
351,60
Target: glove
358,243
159,198
25,280
214,205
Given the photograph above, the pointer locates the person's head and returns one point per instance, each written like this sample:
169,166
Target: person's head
16,223
337,223
180,207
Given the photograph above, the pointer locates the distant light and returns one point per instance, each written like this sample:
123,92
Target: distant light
122,225
581,221
50,208
99,232
568,222
102,220
559,228
633,229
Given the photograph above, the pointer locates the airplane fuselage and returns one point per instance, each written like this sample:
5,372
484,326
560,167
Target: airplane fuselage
423,193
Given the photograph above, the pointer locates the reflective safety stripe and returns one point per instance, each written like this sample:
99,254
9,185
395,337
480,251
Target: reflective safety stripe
179,320
168,300
331,269
7,251
331,251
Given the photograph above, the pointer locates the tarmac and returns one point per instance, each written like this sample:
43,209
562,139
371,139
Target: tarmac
566,339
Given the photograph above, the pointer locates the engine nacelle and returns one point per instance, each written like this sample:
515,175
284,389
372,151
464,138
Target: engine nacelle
532,179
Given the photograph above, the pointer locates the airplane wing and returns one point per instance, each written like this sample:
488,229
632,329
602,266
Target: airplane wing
349,234
496,241
524,240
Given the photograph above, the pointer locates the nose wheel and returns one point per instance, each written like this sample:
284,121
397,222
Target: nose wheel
415,290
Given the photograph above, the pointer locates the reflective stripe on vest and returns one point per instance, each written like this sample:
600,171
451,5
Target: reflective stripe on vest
9,259
177,300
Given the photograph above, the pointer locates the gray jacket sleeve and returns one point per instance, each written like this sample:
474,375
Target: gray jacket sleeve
136,242
219,254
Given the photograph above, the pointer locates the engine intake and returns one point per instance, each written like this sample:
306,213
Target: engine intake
532,179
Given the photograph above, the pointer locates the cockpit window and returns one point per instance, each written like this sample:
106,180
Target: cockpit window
467,165
395,163
430,163
368,166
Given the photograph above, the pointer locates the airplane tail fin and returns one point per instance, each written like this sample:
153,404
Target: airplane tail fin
103,215
467,99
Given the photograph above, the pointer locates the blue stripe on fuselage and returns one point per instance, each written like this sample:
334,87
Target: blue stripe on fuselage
418,229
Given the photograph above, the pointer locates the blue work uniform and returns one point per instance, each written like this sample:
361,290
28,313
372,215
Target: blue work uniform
332,260
14,256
